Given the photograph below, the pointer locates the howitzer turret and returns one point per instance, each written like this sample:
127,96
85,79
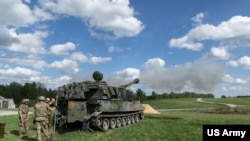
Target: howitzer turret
97,105
135,81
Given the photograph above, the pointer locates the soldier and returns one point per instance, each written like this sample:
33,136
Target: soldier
50,103
23,112
41,119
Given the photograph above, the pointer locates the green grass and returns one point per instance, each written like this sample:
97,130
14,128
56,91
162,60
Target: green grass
237,101
168,126
180,103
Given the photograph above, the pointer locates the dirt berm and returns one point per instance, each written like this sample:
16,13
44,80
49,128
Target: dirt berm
149,109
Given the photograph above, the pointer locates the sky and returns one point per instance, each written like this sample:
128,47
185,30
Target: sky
200,46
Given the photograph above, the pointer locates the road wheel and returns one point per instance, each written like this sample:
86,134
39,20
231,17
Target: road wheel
105,124
137,118
118,122
132,119
124,121
128,120
112,123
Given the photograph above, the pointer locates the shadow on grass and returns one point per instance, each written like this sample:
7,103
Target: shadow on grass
26,138
14,132
70,127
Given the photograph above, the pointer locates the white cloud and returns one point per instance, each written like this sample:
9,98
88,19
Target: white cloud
128,73
113,16
30,62
229,79
243,62
15,13
198,19
78,56
219,52
82,58
28,42
236,28
18,72
113,49
6,39
65,66
123,76
95,60
62,49
50,82
241,81
185,42
19,14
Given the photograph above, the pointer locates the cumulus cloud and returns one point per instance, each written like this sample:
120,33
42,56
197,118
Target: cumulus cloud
114,49
219,52
78,56
198,19
30,62
28,42
51,82
115,17
65,66
95,60
82,58
62,49
18,14
124,76
243,62
202,75
18,72
236,28
5,37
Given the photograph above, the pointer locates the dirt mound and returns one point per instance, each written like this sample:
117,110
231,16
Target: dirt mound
149,109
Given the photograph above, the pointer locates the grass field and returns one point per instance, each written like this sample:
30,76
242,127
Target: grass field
168,126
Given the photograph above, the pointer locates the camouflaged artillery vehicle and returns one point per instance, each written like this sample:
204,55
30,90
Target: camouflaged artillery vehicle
97,105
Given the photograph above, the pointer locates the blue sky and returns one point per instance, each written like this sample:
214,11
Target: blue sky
170,45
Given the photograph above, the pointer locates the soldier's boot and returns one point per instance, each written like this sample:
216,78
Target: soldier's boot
26,134
39,138
49,138
20,133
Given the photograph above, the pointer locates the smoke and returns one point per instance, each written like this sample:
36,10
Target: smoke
204,74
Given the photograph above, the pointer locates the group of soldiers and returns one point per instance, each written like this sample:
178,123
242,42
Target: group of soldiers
41,117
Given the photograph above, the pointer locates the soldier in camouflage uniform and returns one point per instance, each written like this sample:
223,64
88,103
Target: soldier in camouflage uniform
23,122
41,119
50,111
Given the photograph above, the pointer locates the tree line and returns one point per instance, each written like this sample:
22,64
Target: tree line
154,96
33,90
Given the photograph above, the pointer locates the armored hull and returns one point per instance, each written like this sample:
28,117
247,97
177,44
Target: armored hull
97,105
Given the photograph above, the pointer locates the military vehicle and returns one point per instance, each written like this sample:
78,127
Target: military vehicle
97,105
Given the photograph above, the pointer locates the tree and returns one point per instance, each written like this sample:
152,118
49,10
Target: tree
130,95
141,94
154,95
14,91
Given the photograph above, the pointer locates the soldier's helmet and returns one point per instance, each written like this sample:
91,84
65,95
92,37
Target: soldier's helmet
42,98
25,100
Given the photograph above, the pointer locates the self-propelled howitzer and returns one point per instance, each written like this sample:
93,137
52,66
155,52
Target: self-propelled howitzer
97,105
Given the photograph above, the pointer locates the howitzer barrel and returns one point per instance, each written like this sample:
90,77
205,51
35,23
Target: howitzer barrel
135,81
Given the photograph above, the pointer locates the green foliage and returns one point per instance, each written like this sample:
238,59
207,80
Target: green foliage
28,90
141,94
